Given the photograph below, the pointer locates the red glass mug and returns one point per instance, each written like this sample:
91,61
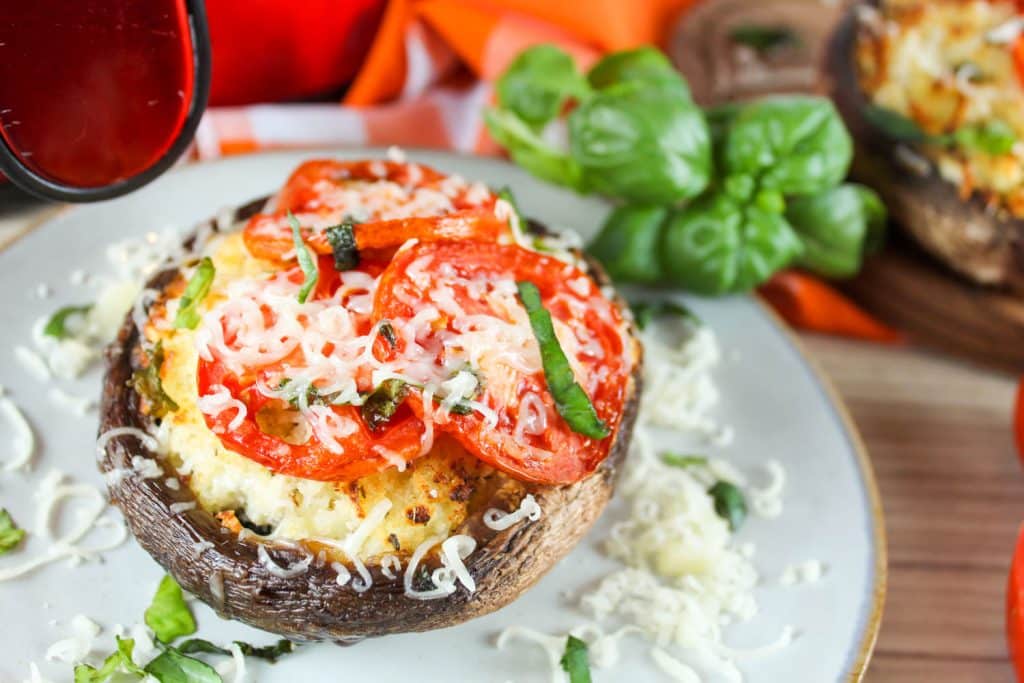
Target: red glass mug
98,97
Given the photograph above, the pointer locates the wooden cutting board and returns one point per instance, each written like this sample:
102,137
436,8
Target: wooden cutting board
902,285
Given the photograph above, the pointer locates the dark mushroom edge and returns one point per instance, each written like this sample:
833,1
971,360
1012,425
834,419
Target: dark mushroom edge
225,572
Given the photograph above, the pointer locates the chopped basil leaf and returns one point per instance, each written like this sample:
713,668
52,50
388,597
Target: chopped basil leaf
117,662
56,326
10,534
270,653
196,290
895,124
763,39
314,397
169,615
146,382
381,404
506,194
729,503
388,332
342,239
173,667
993,137
306,260
681,460
644,312
571,400
575,661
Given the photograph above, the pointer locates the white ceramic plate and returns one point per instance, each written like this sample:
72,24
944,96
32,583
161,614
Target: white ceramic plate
773,398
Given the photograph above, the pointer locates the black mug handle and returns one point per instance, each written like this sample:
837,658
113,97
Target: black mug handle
31,181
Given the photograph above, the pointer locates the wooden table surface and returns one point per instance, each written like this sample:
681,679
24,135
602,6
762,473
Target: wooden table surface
938,432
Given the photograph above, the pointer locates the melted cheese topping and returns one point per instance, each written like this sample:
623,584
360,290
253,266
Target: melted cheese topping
948,64
431,498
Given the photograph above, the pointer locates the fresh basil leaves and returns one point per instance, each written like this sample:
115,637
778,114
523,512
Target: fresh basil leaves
170,618
571,400
195,291
10,534
307,261
634,132
837,228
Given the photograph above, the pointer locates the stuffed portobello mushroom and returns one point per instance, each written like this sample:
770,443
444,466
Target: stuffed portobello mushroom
932,91
374,403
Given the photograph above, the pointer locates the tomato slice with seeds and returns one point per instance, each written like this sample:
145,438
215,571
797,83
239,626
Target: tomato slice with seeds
455,310
277,435
313,193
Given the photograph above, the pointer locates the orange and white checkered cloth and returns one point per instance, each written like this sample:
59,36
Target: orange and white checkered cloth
413,90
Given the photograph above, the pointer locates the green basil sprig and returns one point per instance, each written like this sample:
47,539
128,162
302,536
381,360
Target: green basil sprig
634,133
195,291
575,660
571,400
10,534
306,260
56,326
684,460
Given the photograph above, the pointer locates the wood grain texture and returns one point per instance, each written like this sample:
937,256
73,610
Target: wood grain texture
938,433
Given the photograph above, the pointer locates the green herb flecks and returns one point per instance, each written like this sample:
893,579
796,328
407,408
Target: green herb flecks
10,534
571,400
729,503
342,239
195,291
270,653
684,460
119,661
56,326
146,382
306,260
168,615
646,312
575,661
387,330
764,39
382,403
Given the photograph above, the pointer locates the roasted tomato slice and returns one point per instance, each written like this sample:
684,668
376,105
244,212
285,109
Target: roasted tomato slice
252,350
462,334
388,202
